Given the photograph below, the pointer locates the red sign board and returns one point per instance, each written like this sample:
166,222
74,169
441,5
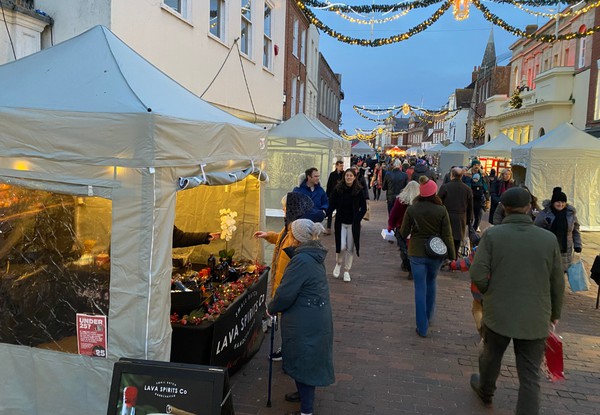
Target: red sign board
91,335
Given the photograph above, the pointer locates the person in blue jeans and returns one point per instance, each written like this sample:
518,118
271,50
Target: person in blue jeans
426,217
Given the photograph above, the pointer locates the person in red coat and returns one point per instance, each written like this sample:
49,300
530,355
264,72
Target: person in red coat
403,201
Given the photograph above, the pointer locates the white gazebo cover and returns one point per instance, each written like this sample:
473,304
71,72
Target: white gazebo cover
500,147
296,145
91,117
454,154
435,149
569,158
362,148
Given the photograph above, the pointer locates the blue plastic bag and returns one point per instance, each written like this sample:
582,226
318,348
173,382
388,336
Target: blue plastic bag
577,277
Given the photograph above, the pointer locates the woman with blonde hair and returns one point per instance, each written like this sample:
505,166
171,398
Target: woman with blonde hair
403,201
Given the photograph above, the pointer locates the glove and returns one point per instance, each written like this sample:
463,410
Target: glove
578,249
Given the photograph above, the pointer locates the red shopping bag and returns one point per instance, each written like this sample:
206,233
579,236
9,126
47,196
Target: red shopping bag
554,358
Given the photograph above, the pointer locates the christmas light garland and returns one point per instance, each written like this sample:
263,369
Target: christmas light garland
571,12
539,37
344,9
375,42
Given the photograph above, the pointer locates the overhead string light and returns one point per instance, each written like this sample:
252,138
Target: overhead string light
535,36
375,42
460,11
567,13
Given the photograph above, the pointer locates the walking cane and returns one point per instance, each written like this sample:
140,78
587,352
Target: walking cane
273,328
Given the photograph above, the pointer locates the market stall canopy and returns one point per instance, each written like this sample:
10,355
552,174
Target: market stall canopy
294,146
499,147
435,149
362,148
91,122
569,158
120,110
414,151
454,154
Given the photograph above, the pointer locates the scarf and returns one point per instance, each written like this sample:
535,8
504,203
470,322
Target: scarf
560,228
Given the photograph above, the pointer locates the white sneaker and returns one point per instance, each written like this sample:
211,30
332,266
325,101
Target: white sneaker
347,276
336,271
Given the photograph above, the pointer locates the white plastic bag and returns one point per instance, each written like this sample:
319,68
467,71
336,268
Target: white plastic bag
388,235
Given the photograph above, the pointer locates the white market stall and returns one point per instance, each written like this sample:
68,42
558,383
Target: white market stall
565,157
414,151
362,149
296,145
454,154
91,130
434,150
495,154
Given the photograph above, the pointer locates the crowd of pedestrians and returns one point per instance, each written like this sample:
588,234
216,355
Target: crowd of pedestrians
433,226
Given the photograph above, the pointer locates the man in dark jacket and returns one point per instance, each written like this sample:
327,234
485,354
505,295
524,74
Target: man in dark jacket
518,270
422,169
393,183
311,187
458,199
332,181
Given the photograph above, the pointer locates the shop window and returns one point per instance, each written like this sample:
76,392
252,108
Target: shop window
268,38
54,254
295,39
597,98
582,47
217,18
180,6
246,28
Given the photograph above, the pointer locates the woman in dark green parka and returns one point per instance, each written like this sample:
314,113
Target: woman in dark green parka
306,321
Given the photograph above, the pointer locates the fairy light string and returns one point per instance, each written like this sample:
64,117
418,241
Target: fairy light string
343,10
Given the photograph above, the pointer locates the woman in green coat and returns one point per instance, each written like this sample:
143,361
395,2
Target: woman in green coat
306,321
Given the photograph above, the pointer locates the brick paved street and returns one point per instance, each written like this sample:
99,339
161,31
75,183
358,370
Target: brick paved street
383,367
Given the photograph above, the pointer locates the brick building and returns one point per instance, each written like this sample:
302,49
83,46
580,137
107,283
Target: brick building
330,96
489,80
294,74
592,124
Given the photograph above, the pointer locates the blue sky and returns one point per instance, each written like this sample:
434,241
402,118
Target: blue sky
423,70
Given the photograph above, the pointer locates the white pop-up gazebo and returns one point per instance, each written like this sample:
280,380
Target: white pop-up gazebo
296,145
362,149
499,147
454,154
568,158
92,120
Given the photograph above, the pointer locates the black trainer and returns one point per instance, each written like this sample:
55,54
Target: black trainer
276,356
486,399
292,397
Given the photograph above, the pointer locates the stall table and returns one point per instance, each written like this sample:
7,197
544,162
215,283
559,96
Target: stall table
229,341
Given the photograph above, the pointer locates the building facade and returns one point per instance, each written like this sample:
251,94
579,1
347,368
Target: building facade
550,84
21,33
330,96
227,52
456,122
592,124
296,34
312,72
488,80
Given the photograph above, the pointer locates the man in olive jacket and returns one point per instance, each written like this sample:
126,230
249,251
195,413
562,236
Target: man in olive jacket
518,269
